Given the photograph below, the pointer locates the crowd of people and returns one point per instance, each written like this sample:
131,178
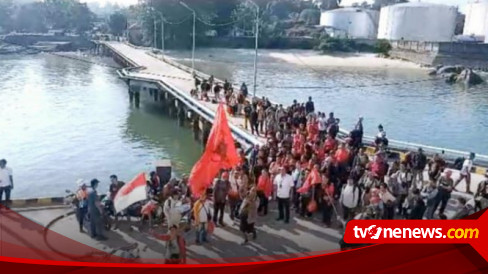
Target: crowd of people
306,167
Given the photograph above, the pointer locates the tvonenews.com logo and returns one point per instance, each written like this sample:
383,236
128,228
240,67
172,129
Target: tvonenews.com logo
472,231
374,232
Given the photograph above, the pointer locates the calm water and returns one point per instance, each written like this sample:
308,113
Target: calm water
428,112
62,120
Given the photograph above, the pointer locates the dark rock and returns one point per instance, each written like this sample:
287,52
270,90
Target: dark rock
469,78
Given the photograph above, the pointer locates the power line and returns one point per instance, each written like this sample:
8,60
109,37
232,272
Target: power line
220,24
178,22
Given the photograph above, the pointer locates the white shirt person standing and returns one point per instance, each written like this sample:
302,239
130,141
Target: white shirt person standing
6,182
466,173
284,185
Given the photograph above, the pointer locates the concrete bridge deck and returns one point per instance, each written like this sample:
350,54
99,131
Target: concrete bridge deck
150,68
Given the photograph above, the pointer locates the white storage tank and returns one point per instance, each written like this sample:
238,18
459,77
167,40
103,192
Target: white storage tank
486,31
352,22
476,18
417,22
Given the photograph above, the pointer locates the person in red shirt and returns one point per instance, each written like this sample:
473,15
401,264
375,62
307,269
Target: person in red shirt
342,155
265,187
330,143
313,130
378,168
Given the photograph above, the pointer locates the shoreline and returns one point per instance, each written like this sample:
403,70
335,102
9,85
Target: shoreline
353,60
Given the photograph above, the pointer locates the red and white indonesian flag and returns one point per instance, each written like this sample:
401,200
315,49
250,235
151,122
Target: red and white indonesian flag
131,193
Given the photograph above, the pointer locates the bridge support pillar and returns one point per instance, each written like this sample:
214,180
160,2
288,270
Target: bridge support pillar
181,114
206,127
196,126
156,95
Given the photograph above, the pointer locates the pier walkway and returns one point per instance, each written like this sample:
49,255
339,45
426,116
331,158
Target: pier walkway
177,81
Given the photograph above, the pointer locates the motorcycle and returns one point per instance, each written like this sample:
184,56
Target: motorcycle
110,214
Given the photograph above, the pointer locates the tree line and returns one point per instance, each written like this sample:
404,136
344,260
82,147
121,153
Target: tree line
69,15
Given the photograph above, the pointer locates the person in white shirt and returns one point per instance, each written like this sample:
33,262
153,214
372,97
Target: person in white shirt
322,125
466,172
6,182
349,199
170,209
284,185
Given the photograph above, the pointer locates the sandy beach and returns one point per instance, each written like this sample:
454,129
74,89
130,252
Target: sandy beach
360,60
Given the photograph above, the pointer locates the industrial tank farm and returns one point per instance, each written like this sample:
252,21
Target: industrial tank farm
476,18
352,22
417,22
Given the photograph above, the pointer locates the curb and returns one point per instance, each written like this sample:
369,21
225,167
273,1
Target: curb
38,202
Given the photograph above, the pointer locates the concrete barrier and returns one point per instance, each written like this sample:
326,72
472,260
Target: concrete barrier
37,202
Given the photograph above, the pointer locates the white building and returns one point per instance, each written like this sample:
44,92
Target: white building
476,23
351,22
418,22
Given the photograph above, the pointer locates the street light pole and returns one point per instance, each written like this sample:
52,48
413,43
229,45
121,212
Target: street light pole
162,35
256,35
194,34
161,17
155,34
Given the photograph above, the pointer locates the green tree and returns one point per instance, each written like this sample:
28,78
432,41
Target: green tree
310,16
329,4
117,23
30,18
382,47
68,14
81,17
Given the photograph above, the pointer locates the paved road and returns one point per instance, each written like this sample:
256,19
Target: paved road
275,239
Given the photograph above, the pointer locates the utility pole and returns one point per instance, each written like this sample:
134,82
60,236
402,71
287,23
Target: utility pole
256,35
194,34
155,34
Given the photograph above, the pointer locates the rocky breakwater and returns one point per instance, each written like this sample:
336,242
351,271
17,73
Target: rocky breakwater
458,74
10,49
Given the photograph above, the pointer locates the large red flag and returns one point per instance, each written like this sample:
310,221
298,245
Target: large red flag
220,153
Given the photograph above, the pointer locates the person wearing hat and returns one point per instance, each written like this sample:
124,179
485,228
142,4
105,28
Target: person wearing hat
81,205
